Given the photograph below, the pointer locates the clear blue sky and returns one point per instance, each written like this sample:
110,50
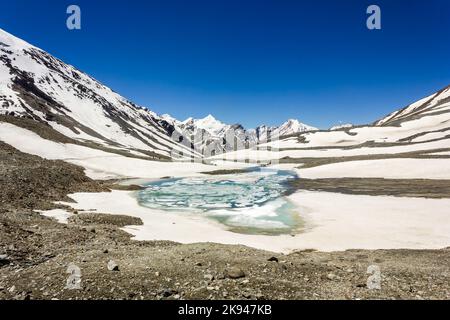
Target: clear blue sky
250,61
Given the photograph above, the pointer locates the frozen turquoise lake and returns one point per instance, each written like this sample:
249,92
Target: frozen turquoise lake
252,202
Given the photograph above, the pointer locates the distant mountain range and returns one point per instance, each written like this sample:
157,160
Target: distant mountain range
36,85
216,136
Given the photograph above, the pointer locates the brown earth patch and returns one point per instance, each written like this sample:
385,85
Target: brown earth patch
421,188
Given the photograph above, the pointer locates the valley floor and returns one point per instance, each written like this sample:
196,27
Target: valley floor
36,250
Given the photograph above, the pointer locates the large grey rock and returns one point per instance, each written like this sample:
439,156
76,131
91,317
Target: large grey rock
235,273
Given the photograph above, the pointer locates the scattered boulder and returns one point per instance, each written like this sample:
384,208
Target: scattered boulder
89,229
112,266
168,292
273,259
220,276
4,260
235,273
209,277
331,276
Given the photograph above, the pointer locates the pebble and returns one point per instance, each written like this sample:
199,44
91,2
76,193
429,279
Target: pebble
209,277
4,259
112,266
235,273
89,229
168,292
331,276
220,277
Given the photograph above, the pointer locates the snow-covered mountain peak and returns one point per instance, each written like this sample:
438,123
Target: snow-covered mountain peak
12,42
170,119
209,118
293,126
292,123
189,120
210,124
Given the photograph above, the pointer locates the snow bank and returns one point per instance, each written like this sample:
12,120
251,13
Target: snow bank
60,215
98,164
386,168
333,222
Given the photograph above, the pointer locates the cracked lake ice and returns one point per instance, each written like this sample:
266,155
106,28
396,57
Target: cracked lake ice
251,202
